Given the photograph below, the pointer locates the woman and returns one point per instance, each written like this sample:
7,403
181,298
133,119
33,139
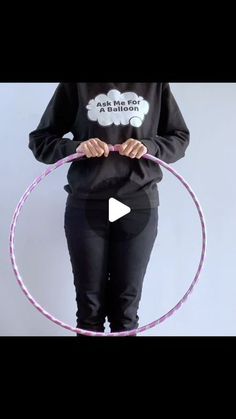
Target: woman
109,259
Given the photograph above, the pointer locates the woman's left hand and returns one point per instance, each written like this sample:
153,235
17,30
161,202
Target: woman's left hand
132,148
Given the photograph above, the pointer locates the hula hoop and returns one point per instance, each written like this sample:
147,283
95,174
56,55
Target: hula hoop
22,201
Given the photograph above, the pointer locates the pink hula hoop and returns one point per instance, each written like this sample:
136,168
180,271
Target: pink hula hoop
25,196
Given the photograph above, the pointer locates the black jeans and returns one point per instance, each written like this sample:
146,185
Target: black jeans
108,267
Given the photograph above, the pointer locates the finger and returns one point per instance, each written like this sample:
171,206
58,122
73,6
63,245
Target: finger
142,150
92,149
133,153
129,149
106,150
99,149
104,147
124,146
86,150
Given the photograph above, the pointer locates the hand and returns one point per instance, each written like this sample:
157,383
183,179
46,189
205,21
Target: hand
132,148
93,148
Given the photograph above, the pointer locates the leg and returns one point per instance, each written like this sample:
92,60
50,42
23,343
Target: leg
128,260
89,258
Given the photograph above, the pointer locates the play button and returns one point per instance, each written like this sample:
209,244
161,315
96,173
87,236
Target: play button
117,210
117,216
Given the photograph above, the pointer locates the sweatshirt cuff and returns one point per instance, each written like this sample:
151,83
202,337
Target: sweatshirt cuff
69,146
152,147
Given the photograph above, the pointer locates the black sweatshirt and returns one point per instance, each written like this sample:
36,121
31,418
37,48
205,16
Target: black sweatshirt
112,112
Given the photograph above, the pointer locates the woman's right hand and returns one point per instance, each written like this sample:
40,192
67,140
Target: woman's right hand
93,148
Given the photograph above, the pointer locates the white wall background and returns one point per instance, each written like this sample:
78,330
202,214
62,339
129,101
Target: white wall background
209,166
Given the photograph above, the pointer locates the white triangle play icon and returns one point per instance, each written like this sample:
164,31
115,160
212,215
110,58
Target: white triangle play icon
117,209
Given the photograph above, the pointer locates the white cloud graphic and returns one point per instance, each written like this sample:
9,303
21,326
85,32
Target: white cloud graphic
118,108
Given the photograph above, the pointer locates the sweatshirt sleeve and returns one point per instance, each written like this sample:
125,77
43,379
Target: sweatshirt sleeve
46,141
173,136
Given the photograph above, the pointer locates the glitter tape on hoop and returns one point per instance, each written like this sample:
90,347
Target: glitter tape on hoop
25,196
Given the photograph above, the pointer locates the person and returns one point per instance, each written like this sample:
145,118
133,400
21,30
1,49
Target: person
109,259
